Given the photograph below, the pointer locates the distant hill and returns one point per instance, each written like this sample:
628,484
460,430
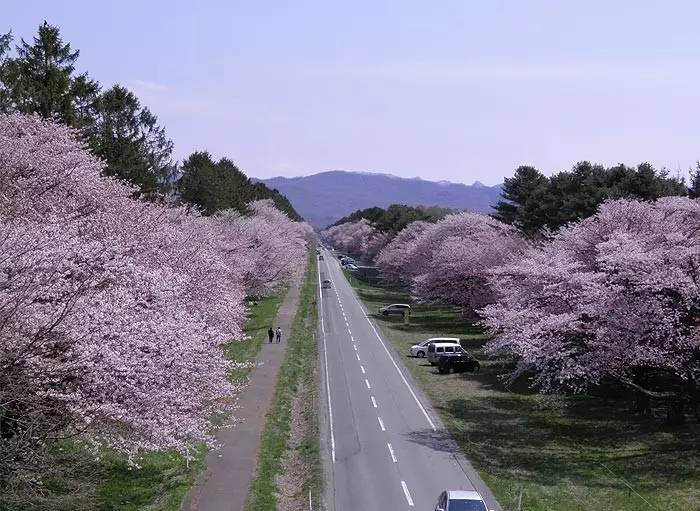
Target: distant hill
324,198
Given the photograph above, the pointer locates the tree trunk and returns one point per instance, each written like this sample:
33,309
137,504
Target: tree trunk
676,411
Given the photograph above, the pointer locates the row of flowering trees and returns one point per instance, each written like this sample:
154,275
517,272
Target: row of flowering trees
113,310
615,297
359,238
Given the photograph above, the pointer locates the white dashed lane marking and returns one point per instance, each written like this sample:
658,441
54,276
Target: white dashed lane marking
391,452
374,401
381,423
407,493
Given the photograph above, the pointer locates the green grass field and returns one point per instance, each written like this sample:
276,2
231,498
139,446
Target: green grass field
297,375
109,483
589,454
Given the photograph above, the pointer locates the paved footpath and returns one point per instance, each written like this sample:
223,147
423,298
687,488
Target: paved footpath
223,486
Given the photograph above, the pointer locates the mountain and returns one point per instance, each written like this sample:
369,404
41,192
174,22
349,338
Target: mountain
325,197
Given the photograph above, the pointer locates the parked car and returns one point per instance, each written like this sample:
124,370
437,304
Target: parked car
460,500
394,308
438,349
326,284
459,363
351,267
421,349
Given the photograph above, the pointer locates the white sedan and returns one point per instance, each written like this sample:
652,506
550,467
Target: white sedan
421,349
460,500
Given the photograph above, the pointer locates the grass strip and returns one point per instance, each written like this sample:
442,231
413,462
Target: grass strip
297,371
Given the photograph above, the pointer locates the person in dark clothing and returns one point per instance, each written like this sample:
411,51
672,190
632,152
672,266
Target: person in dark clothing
271,334
278,334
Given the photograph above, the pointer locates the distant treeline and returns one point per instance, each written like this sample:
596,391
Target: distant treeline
41,78
395,217
532,202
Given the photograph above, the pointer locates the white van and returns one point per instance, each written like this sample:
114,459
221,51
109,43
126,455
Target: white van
438,349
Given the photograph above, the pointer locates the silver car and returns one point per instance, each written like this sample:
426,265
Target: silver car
421,349
395,308
460,500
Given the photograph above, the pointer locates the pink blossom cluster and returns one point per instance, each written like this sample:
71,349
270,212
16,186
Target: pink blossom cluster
113,310
449,261
359,238
616,296
275,243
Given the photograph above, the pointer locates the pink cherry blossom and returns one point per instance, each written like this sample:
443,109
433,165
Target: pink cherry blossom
615,297
113,310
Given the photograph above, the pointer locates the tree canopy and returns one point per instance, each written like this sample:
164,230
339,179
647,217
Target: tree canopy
532,201
215,186
395,217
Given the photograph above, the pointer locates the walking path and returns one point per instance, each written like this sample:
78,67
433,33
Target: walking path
223,486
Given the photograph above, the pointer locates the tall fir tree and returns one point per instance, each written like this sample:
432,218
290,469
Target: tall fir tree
126,135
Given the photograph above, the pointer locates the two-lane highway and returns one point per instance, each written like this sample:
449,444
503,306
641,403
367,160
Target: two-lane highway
386,446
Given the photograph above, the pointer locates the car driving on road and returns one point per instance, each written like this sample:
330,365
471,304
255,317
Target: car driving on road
326,284
394,308
421,349
460,500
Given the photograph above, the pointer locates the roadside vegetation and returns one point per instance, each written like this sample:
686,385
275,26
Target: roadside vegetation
118,291
575,453
288,462
107,481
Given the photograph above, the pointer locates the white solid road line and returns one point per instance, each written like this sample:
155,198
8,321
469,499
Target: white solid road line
381,423
408,386
367,383
374,401
391,452
325,359
407,493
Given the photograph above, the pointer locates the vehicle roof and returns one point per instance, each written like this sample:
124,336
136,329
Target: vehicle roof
401,304
443,339
464,494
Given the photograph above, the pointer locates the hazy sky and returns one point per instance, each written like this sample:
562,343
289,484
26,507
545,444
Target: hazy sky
454,90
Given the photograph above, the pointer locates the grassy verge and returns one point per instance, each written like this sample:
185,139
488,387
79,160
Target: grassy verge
589,454
296,386
163,478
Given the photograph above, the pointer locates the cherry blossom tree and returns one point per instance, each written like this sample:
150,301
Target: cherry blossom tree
395,261
275,245
615,297
358,238
113,310
448,262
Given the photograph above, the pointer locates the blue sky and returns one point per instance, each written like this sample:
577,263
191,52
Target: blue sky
453,90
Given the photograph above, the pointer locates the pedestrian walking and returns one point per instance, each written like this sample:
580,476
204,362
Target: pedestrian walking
278,334
271,334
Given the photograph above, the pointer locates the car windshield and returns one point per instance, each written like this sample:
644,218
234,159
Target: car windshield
466,505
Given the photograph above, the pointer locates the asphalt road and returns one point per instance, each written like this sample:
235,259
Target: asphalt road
388,450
